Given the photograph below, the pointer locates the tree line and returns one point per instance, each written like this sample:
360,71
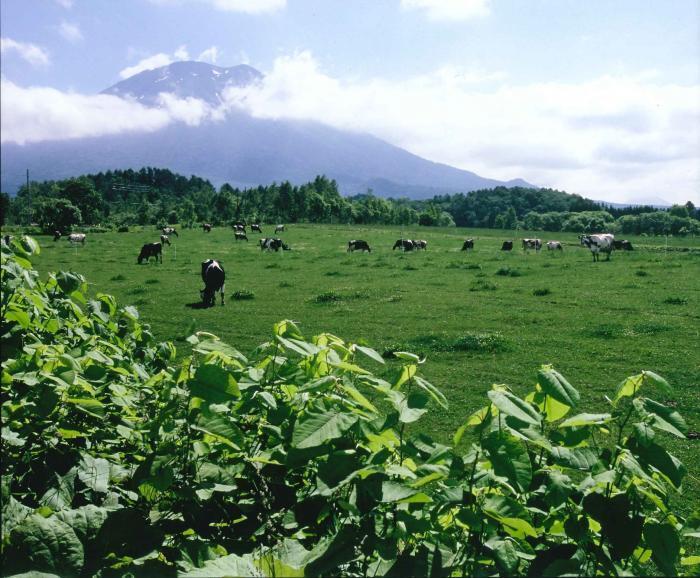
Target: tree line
157,196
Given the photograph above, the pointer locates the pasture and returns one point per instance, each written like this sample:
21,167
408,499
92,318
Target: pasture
479,317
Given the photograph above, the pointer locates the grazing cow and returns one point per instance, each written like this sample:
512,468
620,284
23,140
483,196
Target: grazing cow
598,244
164,240
507,246
238,228
206,227
279,229
255,227
240,224
552,245
468,244
76,238
169,231
214,277
535,244
404,245
150,250
56,235
420,244
624,245
240,236
358,245
270,244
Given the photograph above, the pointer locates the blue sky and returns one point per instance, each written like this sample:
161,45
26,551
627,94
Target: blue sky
592,96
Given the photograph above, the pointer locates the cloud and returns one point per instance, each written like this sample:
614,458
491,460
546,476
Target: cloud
67,4
32,53
244,6
39,113
155,61
71,32
600,138
209,55
450,9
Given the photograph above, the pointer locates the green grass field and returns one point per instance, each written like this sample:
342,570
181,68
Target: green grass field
480,318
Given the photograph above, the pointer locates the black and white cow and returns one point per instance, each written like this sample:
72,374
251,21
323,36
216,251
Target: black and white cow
164,240
603,243
507,246
279,229
56,235
77,238
420,244
240,236
150,250
239,228
214,278
273,244
554,245
468,244
255,227
624,245
206,227
358,245
535,244
403,244
169,231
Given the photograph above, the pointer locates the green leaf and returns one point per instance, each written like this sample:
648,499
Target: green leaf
669,465
358,397
586,419
371,353
213,383
509,458
690,560
505,555
512,405
94,473
46,543
69,282
665,546
410,408
224,567
555,384
658,381
578,458
629,387
432,391
315,429
395,492
86,521
220,427
663,417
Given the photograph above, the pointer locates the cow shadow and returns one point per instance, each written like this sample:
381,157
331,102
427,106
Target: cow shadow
197,305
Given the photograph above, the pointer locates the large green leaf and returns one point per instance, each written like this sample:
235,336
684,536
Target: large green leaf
578,458
48,544
665,546
586,419
555,384
513,405
329,554
86,521
215,384
94,473
629,387
220,426
509,458
315,429
667,464
224,567
663,417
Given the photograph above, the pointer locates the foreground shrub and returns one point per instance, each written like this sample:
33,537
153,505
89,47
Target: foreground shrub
282,462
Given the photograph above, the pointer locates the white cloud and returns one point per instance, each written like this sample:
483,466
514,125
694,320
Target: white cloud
33,54
71,32
68,4
40,113
155,61
209,55
245,6
450,9
609,138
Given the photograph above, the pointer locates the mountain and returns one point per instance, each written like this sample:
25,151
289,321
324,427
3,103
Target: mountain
184,79
241,150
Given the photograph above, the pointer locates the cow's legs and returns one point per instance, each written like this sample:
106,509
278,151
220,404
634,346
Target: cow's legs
223,287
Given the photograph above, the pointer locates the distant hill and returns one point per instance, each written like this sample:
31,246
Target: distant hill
241,150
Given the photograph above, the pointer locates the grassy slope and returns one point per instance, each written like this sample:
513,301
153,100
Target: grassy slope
599,323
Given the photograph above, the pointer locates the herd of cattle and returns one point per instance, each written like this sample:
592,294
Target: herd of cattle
213,274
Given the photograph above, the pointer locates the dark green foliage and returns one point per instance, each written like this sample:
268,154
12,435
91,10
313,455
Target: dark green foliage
541,292
508,272
676,300
298,460
243,294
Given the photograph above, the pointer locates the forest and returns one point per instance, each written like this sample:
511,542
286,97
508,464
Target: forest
122,198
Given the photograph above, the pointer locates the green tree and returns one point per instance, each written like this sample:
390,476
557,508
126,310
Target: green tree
4,207
81,193
56,214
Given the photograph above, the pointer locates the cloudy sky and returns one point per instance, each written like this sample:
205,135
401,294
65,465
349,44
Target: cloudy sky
591,96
